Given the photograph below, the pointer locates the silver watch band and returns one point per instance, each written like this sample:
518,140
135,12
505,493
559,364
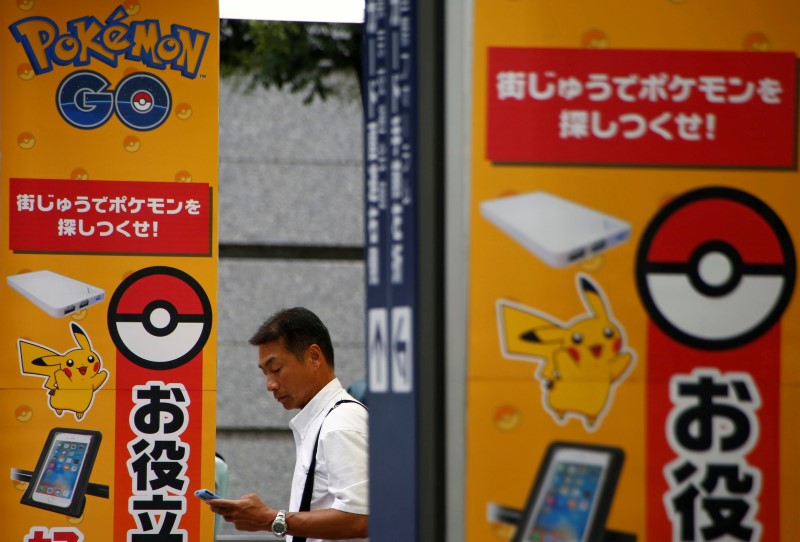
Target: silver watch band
279,527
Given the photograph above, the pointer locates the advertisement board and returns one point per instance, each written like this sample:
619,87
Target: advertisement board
632,332
108,134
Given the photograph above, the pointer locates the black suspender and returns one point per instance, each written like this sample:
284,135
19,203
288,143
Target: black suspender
305,502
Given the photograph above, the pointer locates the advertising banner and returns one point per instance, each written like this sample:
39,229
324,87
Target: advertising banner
108,142
632,339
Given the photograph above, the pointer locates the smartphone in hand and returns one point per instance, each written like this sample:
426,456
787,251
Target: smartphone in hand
206,495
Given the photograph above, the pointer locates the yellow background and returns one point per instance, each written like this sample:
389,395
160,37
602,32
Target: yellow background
181,150
508,428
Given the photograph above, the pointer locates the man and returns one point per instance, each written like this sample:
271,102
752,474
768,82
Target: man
296,356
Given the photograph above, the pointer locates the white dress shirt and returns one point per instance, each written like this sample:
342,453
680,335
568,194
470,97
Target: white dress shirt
341,479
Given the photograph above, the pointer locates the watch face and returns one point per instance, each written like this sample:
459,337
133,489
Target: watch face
279,525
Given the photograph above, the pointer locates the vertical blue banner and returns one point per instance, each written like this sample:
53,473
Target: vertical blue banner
390,157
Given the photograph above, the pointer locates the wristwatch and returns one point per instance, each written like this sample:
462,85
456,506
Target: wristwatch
279,525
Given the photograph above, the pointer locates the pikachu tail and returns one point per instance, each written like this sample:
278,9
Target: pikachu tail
526,334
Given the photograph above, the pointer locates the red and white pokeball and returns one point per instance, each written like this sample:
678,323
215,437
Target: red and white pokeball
159,318
142,101
715,268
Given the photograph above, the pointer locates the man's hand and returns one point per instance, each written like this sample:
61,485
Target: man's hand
248,513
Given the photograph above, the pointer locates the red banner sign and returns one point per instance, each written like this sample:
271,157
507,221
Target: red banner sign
670,108
48,215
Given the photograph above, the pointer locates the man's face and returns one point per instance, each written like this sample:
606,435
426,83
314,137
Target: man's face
289,380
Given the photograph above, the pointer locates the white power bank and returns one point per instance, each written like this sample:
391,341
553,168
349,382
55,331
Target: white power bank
55,294
557,231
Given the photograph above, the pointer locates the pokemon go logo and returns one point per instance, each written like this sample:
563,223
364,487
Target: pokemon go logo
84,99
141,100
87,39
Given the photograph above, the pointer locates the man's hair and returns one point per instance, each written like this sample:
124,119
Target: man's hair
298,328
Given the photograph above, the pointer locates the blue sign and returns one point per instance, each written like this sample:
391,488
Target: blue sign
392,282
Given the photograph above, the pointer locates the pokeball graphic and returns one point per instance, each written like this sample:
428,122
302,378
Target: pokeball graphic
159,318
715,268
142,101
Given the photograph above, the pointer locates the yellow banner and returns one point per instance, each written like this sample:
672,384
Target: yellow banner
109,262
633,325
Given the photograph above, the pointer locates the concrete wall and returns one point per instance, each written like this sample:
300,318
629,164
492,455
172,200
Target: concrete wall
291,203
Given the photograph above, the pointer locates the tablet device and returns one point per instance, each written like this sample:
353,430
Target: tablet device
55,294
62,473
572,494
557,231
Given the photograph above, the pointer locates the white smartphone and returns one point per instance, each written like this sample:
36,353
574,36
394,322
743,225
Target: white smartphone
572,495
206,495
58,477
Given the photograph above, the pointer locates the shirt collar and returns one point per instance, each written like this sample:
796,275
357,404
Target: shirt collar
318,405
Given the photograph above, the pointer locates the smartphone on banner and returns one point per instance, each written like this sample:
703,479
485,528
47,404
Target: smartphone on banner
57,480
62,474
572,494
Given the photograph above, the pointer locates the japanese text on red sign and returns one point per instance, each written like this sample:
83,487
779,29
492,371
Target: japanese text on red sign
668,107
120,205
158,462
657,87
661,87
713,491
97,216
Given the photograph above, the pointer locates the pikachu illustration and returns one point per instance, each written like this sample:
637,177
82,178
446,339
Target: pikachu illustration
72,377
580,362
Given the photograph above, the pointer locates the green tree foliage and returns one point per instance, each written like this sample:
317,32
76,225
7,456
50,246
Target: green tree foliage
303,57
